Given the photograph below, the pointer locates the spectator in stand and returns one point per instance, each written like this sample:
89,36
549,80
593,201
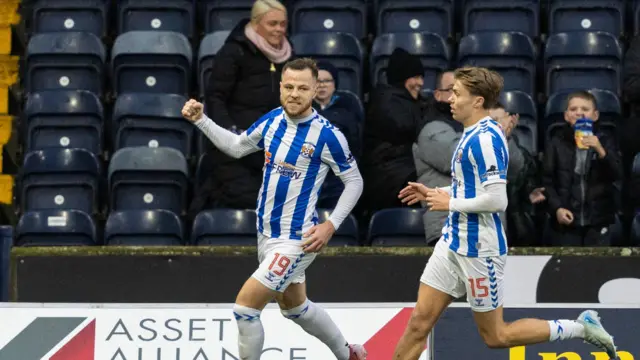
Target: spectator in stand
579,183
393,121
245,83
344,113
438,140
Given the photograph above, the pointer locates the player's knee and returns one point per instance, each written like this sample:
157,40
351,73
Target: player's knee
420,323
245,316
298,311
495,339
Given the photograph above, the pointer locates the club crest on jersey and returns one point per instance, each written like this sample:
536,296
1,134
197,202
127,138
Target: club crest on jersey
267,157
307,150
459,155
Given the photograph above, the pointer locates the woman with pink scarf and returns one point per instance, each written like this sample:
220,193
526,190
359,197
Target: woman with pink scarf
244,85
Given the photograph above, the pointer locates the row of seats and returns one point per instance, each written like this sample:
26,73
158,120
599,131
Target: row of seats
77,119
350,16
71,119
219,227
211,227
162,62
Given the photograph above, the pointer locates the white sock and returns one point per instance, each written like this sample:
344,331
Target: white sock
565,329
315,321
250,332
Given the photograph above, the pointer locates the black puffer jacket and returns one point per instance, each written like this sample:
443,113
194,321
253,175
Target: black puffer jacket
392,125
563,186
244,85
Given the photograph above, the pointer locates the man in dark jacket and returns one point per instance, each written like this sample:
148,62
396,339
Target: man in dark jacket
579,183
394,119
344,112
244,85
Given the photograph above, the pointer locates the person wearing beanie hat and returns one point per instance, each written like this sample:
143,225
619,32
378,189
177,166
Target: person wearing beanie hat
395,117
344,111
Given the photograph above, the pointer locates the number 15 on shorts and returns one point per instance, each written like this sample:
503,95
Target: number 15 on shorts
478,287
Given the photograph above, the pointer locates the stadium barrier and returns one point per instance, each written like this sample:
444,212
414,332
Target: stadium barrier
208,331
352,275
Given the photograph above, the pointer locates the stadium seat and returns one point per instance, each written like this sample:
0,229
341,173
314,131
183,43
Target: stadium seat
153,120
154,15
609,107
209,47
583,60
397,16
587,15
518,102
63,119
204,167
346,16
635,231
143,228
397,227
69,15
346,234
225,227
225,14
151,62
144,178
502,15
355,98
635,168
431,48
67,60
60,179
512,54
343,50
55,228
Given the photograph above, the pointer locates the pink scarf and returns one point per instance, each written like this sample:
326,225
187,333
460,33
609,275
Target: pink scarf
273,54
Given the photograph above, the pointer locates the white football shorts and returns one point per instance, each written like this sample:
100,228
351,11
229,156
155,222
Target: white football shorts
282,262
481,278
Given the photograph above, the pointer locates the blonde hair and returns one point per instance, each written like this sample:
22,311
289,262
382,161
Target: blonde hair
261,7
481,82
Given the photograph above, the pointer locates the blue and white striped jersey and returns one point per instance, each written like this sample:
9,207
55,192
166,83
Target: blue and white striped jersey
297,157
481,158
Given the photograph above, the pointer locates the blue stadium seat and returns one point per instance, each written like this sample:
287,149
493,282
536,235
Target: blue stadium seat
431,48
154,15
151,62
225,14
635,168
346,16
343,50
512,54
355,98
204,167
63,119
397,227
143,228
347,233
397,16
153,120
586,15
149,179
69,15
583,60
635,231
518,102
55,228
502,15
225,227
209,47
66,60
60,179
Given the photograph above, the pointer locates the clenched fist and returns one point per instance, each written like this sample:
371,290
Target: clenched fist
192,110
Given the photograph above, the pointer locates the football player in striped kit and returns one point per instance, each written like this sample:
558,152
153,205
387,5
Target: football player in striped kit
471,255
300,147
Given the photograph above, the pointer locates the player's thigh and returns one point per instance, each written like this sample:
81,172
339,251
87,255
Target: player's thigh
294,296
282,265
441,274
484,281
430,305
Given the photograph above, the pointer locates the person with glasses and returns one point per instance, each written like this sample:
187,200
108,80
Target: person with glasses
342,110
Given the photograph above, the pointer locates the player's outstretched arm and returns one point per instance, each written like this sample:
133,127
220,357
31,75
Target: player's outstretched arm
231,144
